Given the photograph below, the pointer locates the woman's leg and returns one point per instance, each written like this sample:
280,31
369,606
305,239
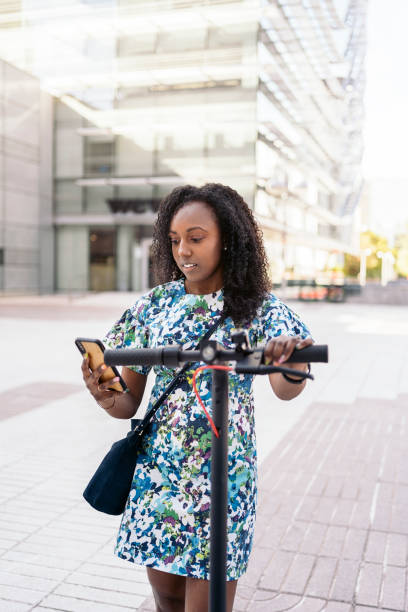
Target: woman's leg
197,594
168,590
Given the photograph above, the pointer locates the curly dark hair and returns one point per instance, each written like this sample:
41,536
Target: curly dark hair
245,266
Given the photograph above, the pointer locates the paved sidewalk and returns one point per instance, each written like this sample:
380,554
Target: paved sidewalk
333,519
331,532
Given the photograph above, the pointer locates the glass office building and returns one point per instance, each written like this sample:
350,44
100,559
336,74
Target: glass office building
263,96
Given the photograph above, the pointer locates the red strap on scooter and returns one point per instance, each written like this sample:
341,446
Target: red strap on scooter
197,371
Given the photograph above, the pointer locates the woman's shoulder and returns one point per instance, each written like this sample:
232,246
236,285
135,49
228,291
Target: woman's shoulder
278,315
158,297
271,302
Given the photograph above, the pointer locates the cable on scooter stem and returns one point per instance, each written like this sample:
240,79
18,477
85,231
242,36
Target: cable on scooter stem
197,371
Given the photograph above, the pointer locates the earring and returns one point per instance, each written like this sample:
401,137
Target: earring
225,248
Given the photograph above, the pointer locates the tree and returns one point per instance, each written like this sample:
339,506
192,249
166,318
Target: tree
351,265
374,242
401,248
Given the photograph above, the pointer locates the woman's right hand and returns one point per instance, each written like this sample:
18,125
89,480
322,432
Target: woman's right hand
104,396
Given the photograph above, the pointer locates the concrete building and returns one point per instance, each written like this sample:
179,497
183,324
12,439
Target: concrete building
26,206
264,96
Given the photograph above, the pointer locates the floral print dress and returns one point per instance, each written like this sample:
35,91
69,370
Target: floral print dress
165,524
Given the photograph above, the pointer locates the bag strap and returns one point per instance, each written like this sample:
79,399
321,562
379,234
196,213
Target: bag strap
148,417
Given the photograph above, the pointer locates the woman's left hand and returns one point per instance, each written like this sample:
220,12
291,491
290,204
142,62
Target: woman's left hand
279,349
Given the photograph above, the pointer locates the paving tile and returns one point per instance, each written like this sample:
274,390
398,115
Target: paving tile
375,550
84,536
132,572
394,588
12,606
20,595
112,584
27,569
318,486
12,525
369,584
27,582
361,515
275,572
333,541
322,577
351,488
333,487
60,554
41,560
397,549
266,601
299,574
293,539
399,519
343,512
243,598
383,509
284,602
25,518
240,605
345,580
277,529
307,508
334,606
354,544
6,544
29,396
71,604
106,596
313,539
325,510
258,562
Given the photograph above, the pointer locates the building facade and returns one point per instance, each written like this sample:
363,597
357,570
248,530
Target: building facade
263,96
26,206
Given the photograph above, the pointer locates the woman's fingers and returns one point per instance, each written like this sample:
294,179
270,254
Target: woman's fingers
105,386
288,348
99,390
86,372
280,349
304,343
275,349
96,374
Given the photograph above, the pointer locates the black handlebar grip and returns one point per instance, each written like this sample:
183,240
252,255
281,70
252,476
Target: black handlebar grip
124,357
315,353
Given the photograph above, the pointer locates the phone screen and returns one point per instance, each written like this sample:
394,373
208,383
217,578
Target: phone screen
95,350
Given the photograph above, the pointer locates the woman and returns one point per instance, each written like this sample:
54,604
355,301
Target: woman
209,259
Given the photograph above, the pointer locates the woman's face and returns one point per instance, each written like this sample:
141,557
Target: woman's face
196,245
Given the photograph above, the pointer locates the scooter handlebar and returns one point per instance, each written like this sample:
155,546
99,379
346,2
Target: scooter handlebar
127,357
315,353
172,355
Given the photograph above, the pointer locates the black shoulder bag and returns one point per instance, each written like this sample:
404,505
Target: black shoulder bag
109,487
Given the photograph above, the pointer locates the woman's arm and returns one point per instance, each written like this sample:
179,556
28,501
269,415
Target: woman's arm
285,390
118,405
278,351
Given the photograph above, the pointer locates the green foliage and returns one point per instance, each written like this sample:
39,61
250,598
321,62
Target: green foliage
375,242
401,248
351,265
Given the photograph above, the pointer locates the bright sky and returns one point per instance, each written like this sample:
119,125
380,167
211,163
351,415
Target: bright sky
386,103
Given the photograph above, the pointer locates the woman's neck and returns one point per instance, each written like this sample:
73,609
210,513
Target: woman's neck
204,288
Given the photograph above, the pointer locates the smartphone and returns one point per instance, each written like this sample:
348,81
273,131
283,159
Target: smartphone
95,350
